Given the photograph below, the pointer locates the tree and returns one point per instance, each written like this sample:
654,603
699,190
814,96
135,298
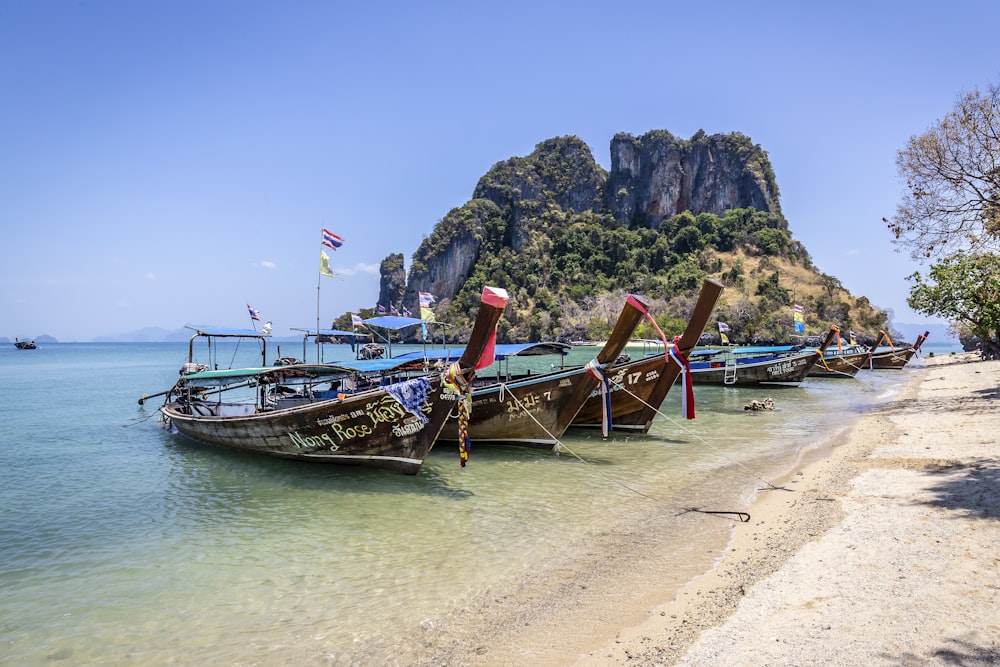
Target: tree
952,174
965,290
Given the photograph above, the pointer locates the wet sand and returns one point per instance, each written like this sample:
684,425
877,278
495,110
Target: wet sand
882,547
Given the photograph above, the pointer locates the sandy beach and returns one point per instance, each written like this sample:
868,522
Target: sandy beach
880,548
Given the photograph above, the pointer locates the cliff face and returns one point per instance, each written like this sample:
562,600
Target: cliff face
657,176
652,178
445,259
392,281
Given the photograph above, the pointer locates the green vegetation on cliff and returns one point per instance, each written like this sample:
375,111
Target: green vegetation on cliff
546,228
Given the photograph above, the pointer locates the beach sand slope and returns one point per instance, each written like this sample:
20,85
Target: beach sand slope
887,553
881,550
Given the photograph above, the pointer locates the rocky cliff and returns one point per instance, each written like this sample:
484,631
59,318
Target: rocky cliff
392,281
653,177
658,176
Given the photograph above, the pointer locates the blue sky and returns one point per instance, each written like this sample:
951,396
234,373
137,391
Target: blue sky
164,163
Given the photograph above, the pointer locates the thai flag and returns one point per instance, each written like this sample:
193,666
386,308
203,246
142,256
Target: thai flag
392,309
426,299
331,240
723,327
356,320
254,314
406,312
381,309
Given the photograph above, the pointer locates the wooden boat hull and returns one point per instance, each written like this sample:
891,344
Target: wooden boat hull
527,412
791,369
840,366
633,385
372,430
892,360
535,411
638,388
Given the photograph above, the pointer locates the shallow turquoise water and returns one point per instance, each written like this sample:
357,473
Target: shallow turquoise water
121,543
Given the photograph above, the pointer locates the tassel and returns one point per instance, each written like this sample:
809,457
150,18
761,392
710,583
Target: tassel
594,370
687,388
454,379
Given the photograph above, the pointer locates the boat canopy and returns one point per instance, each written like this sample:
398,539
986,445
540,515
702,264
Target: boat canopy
749,351
501,352
299,370
223,332
393,322
330,332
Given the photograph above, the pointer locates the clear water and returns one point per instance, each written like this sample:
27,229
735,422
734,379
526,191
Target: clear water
121,543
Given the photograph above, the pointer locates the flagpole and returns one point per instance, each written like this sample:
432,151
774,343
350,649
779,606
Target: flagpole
319,281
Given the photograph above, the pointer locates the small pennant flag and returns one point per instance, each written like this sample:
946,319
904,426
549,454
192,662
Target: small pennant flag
331,240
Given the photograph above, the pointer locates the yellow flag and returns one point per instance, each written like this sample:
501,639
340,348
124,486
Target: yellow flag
324,265
426,314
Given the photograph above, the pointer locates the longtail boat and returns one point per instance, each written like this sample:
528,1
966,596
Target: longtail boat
535,410
24,344
389,427
893,358
842,361
638,388
745,366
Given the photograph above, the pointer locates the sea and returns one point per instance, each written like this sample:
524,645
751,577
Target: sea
122,543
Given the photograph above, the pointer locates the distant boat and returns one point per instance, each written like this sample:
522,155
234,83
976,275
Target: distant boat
892,358
390,427
24,344
840,361
744,366
639,387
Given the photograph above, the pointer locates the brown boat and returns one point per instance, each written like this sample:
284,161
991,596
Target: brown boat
893,359
388,427
843,361
639,387
535,410
748,366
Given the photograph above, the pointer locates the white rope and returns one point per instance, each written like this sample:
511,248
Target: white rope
699,438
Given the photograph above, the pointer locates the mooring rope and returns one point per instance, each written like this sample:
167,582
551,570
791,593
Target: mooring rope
561,446
770,486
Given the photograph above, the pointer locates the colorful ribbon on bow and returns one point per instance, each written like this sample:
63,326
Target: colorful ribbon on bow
453,378
687,385
594,369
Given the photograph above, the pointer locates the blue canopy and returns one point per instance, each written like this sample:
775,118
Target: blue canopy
748,350
374,365
300,370
393,322
329,332
501,352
